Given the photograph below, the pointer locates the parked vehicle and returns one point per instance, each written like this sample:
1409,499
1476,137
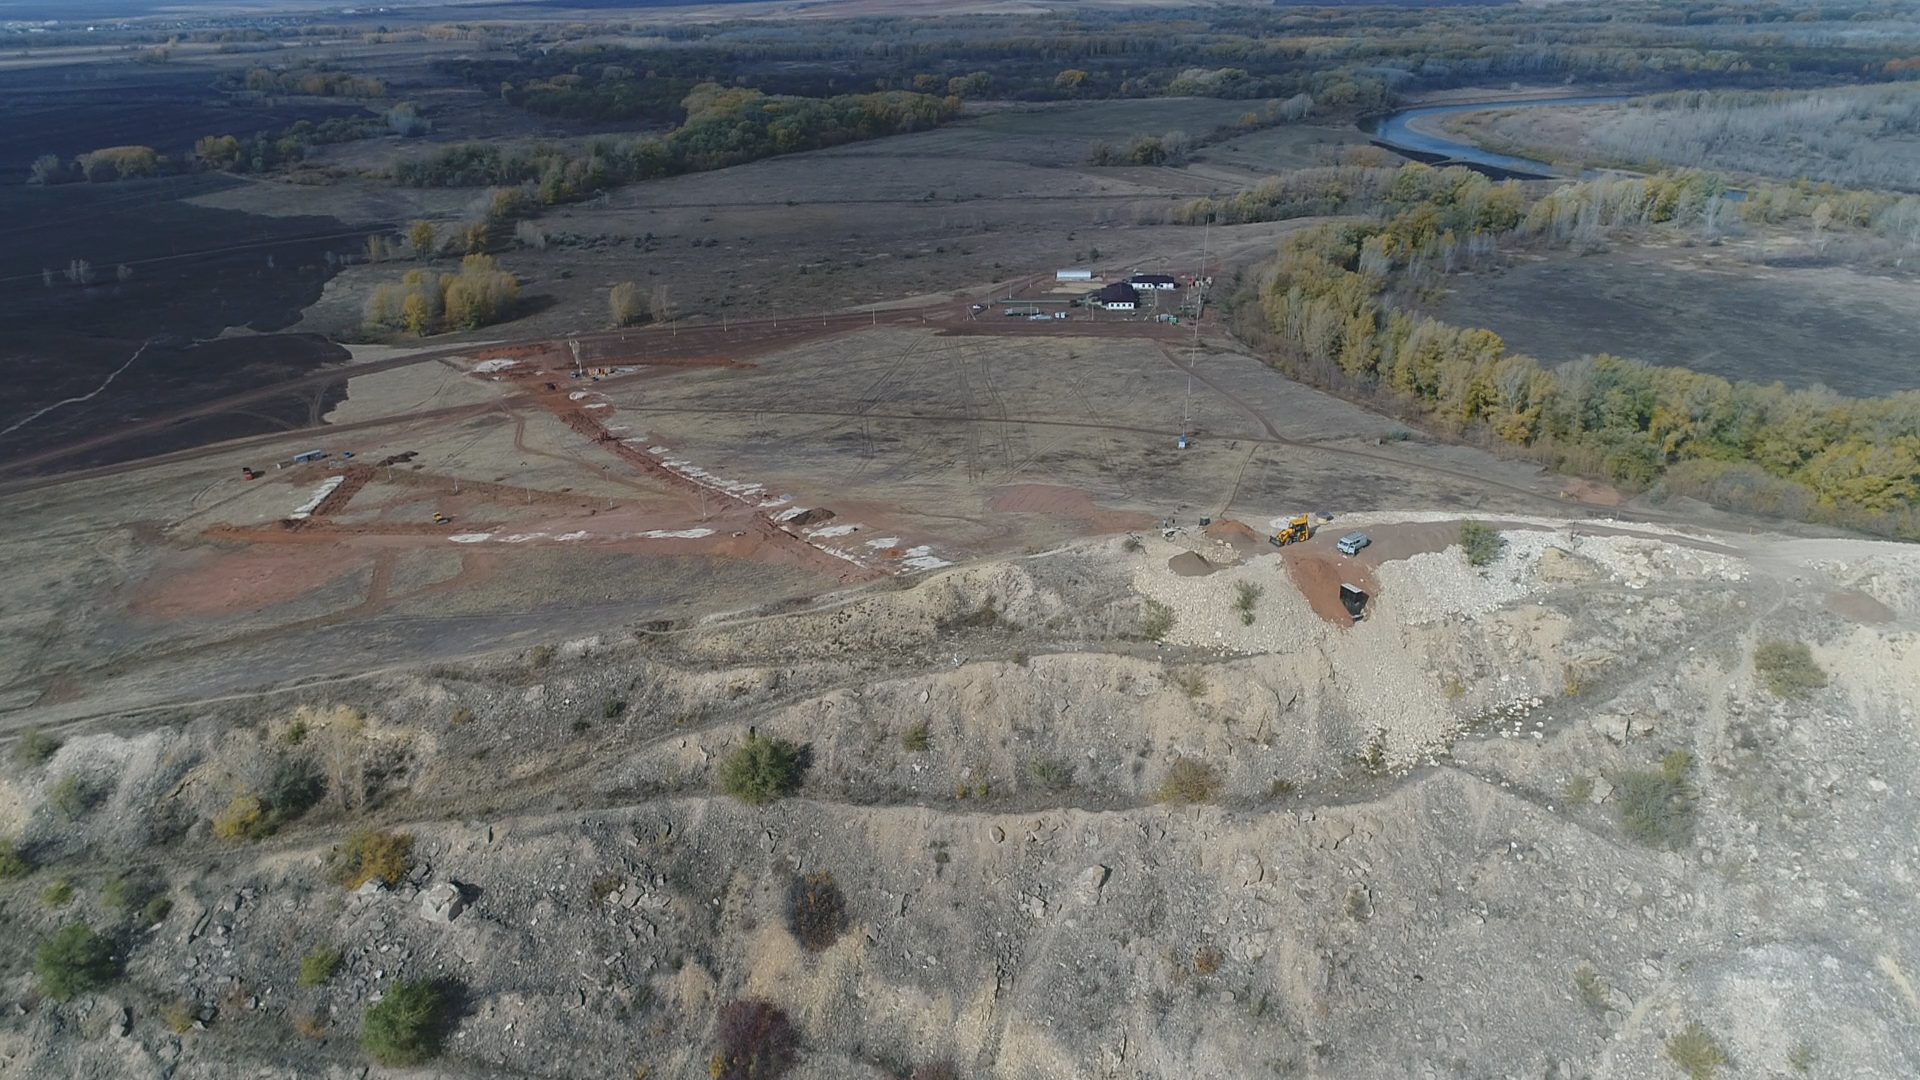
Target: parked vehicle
1351,543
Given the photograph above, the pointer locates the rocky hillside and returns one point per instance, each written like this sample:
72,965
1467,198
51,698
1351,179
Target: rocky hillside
1588,810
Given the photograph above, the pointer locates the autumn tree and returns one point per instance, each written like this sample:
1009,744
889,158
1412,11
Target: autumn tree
626,304
421,236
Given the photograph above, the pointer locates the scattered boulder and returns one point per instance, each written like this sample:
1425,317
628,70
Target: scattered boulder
442,903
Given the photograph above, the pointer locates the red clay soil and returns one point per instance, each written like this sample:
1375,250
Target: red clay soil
208,583
1059,500
1319,574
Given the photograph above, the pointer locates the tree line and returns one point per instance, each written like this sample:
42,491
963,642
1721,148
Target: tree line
724,126
1328,302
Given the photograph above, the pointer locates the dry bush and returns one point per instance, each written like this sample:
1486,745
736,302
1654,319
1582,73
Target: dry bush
1207,960
312,1025
816,911
178,1015
757,1042
372,856
1188,781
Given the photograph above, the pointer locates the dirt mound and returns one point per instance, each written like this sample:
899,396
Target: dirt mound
1190,564
1242,538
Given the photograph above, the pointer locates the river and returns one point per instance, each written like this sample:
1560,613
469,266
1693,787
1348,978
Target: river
1396,130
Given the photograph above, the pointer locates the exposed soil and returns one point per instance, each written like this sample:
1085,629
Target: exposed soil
1859,607
205,583
1061,501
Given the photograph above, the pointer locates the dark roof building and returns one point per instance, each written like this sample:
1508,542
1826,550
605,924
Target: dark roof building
1119,296
1152,281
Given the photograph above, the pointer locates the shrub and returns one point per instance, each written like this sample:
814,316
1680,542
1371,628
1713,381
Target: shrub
1188,781
319,965
11,864
1191,681
117,894
157,910
73,961
1481,542
71,797
403,1028
1245,595
295,787
1156,620
611,708
369,856
461,717
816,911
757,1042
57,895
241,819
540,656
917,738
1788,669
761,770
1696,1053
34,748
1656,807
1049,774
934,1070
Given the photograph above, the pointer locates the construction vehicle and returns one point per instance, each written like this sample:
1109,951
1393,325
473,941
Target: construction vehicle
1298,529
440,519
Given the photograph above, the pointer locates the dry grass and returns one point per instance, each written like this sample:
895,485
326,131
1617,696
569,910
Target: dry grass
373,856
1696,1053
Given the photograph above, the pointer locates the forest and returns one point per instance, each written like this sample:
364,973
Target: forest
1338,302
1347,58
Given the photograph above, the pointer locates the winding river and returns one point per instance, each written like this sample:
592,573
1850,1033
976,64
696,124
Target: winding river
1397,130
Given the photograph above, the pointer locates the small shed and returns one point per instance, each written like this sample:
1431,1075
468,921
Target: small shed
1073,275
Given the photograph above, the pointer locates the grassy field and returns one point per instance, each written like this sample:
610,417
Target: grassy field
1708,309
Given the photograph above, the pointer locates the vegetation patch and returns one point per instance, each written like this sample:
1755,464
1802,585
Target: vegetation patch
12,864
1188,781
424,303
1656,807
1245,595
35,748
404,1027
1156,619
761,770
1049,774
295,787
74,961
1788,668
319,965
757,1042
1481,542
816,911
1696,1053
917,738
368,855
